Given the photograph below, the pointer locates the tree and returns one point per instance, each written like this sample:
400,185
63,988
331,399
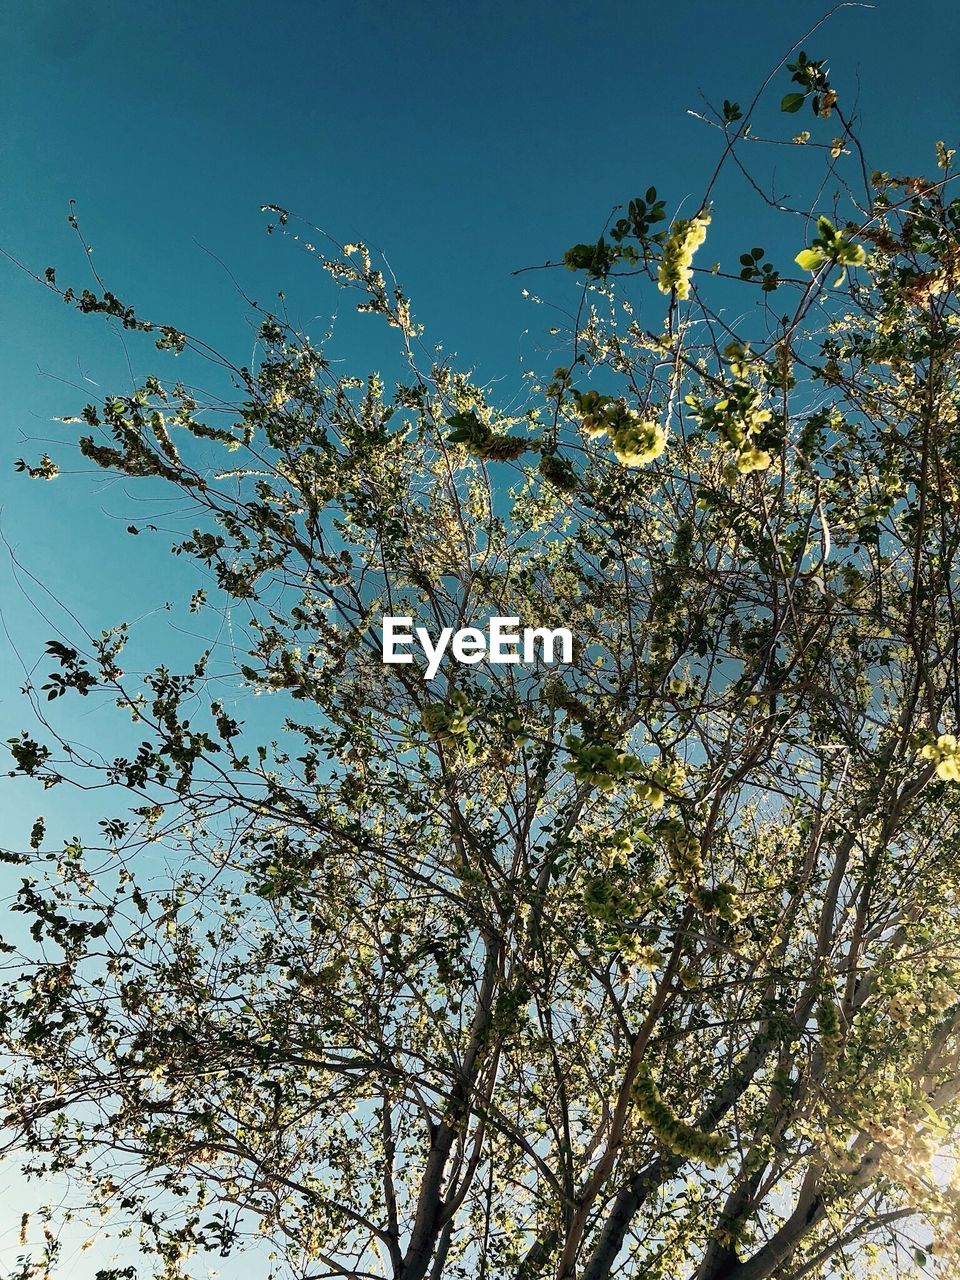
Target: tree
644,965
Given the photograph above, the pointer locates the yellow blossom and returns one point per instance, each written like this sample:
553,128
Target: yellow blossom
946,756
676,268
638,441
753,460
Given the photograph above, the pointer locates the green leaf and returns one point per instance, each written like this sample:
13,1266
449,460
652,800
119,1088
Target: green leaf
792,102
853,255
810,259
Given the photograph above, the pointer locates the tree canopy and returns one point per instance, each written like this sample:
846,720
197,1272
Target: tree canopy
645,965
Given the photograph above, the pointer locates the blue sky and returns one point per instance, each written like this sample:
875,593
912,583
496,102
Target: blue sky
463,140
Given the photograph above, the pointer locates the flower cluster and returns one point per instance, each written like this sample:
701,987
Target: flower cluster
602,766
909,1005
594,409
446,722
605,900
676,267
599,764
482,441
640,956
558,472
945,753
635,440
638,441
720,901
670,1131
683,852
615,899
682,848
751,459
739,418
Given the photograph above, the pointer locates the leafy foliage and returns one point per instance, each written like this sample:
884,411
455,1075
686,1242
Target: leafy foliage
648,965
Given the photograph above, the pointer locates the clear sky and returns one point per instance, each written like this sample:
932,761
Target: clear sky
463,139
